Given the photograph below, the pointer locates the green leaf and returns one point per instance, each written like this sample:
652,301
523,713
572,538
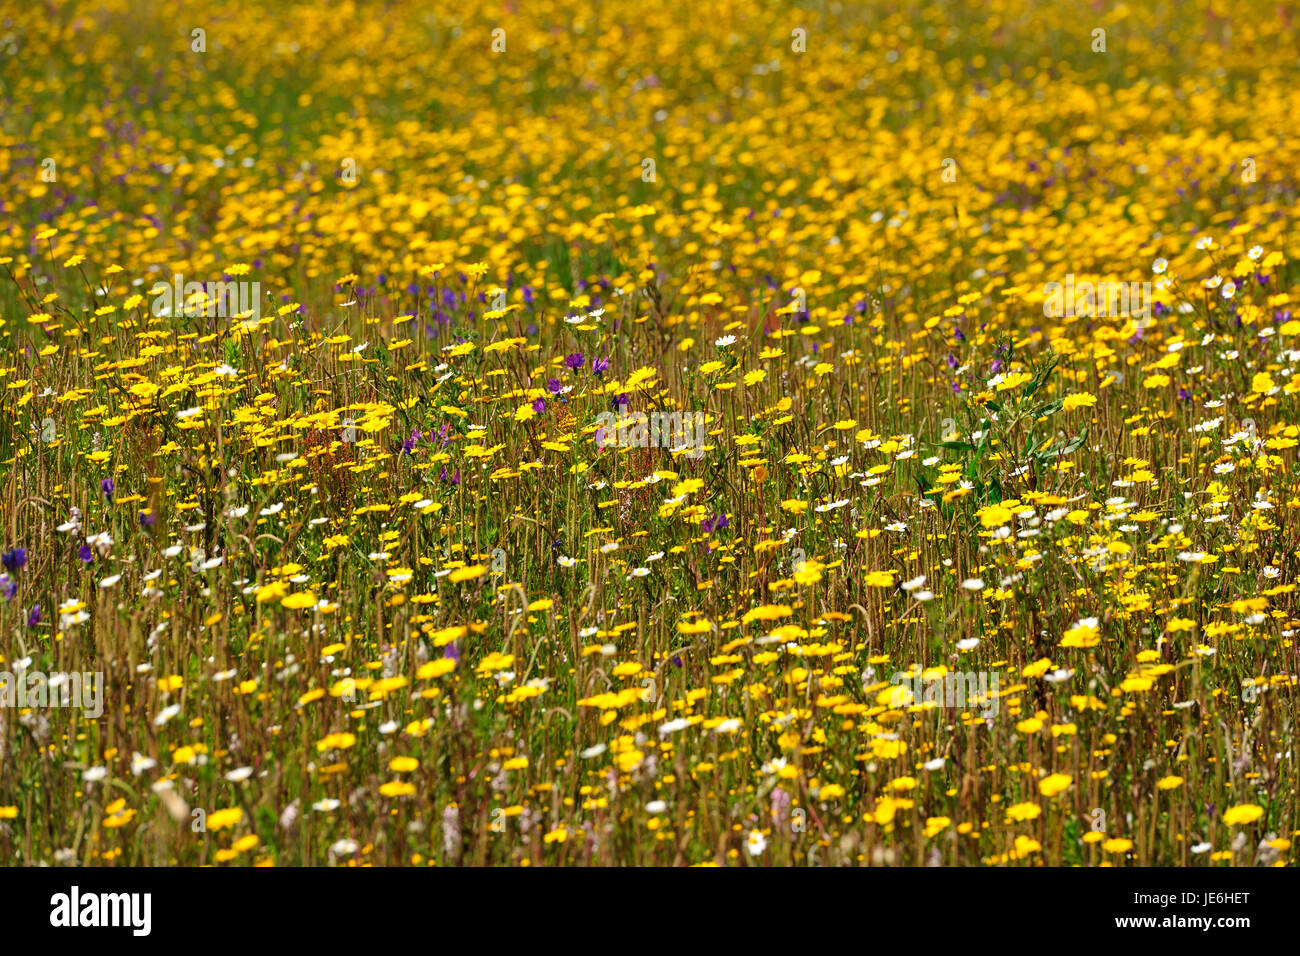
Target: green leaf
1041,376
1074,444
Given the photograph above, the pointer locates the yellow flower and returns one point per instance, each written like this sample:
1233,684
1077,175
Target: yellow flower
1055,783
1027,845
994,516
888,749
934,825
269,592
886,807
220,819
497,661
296,602
767,612
1024,811
1083,634
1038,668
468,573
1242,814
436,668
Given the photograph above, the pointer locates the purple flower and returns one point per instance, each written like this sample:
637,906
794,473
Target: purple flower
600,365
553,386
15,559
539,406
952,361
8,587
1184,394
85,553
148,519
575,361
716,523
450,651
107,486
620,400
34,616
453,479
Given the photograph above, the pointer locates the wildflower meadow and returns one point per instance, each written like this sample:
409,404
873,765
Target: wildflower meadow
592,432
